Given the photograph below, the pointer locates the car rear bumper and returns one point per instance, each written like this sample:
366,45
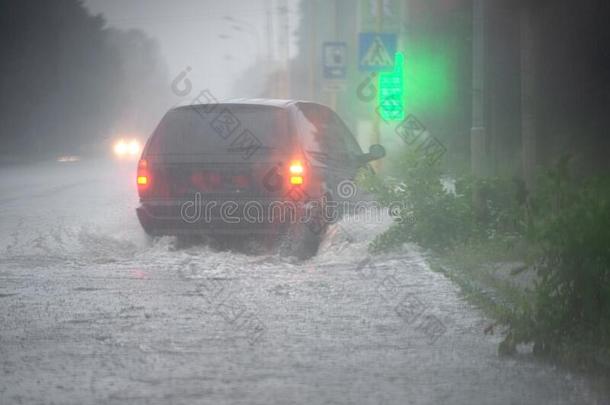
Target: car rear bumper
220,217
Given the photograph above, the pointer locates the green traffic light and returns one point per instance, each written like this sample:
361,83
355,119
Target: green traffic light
424,80
391,99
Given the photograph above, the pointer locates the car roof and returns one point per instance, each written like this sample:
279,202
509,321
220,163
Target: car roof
263,101
278,103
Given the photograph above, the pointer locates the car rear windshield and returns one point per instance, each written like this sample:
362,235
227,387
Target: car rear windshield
221,129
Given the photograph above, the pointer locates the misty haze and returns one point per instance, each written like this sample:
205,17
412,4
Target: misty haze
304,202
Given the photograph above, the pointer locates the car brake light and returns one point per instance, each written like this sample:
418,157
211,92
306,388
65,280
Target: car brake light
241,181
296,168
296,173
143,177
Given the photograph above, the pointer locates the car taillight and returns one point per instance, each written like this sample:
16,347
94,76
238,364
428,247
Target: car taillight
296,173
241,181
215,181
208,181
143,176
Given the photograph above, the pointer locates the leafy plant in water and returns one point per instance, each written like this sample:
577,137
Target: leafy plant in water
437,210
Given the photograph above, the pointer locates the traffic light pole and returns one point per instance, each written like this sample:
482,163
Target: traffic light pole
376,136
312,50
478,132
333,94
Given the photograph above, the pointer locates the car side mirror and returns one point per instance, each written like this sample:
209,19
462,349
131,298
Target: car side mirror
376,152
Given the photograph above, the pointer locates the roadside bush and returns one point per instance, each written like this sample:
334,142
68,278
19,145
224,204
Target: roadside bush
571,239
437,211
565,226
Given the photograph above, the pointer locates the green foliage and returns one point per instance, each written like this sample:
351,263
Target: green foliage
437,212
571,233
566,226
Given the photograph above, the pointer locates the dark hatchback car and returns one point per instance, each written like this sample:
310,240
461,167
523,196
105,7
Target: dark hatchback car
267,167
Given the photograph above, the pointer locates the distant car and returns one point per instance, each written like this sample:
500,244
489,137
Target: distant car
243,167
127,148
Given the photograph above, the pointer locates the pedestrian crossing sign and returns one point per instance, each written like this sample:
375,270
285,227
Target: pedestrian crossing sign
376,51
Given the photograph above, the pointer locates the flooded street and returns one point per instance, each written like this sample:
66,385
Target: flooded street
91,311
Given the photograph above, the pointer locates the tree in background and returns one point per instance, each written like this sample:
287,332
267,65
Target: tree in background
67,81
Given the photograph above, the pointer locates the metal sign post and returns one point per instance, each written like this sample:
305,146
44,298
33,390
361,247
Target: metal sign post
334,61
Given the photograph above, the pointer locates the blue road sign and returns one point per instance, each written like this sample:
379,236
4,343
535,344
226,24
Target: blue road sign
376,51
334,59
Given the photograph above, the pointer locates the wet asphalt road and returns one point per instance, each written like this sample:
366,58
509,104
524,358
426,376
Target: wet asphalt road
93,312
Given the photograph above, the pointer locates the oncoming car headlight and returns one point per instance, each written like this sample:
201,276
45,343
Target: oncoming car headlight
124,148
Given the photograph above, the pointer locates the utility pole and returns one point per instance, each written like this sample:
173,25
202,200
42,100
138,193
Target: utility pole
478,132
376,136
285,38
312,49
333,93
269,32
273,85
528,83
